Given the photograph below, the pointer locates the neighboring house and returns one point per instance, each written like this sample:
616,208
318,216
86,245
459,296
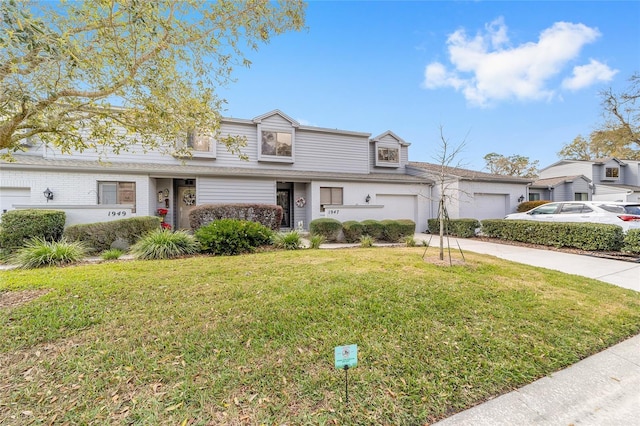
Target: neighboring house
612,179
472,194
311,172
563,188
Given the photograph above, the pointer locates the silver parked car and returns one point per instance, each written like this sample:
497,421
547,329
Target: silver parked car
625,215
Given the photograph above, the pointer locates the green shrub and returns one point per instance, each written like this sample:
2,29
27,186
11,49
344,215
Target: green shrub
366,241
396,230
112,254
352,231
528,205
463,228
269,215
287,240
373,228
20,226
99,236
584,236
38,252
164,244
631,242
316,241
232,236
327,227
410,241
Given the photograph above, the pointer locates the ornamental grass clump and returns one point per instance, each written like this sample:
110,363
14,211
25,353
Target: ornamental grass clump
165,244
287,240
316,241
38,253
112,254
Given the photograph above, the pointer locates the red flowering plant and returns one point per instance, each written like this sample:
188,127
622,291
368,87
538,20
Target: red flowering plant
165,225
163,212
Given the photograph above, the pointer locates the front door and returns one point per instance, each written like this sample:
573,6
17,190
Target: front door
284,200
186,201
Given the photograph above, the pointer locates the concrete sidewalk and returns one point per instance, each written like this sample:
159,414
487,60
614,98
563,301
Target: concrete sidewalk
602,390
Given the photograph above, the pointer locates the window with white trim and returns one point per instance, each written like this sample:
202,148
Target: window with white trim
612,172
111,193
276,144
201,144
581,196
330,196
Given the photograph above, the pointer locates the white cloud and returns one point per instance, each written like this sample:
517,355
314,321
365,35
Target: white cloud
586,75
486,68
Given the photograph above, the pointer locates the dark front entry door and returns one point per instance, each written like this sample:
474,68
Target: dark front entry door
284,200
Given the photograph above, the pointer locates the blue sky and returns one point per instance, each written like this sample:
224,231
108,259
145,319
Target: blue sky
511,77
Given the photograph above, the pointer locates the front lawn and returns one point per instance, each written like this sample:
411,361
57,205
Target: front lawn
249,339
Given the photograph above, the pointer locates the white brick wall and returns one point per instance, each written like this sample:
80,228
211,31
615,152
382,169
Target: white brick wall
72,189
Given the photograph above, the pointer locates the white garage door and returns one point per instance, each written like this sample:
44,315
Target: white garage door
11,196
489,206
398,206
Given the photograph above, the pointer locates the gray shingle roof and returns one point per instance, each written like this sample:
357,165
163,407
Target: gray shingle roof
186,170
466,174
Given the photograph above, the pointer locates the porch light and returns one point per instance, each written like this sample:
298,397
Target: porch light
521,198
48,194
367,198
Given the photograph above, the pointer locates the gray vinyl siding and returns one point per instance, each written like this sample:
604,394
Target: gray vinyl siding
563,192
568,169
226,190
580,186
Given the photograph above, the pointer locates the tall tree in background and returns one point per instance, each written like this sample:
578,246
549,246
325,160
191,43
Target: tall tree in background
514,165
117,67
620,134
624,110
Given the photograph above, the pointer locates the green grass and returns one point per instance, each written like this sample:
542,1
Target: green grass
249,339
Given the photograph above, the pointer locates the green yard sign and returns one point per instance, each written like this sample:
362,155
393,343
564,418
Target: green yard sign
346,356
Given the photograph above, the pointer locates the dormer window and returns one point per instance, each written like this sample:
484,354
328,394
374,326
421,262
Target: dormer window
611,173
388,155
276,146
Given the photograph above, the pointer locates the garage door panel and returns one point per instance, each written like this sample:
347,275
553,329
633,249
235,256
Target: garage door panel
489,206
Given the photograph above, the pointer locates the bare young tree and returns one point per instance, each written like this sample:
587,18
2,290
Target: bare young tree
446,158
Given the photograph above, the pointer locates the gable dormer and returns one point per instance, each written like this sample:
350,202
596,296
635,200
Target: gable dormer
610,169
389,150
276,137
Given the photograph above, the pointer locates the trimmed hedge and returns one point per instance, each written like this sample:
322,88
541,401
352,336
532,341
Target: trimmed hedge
463,228
327,227
373,228
528,205
352,231
20,226
232,236
584,236
269,215
631,242
397,230
100,235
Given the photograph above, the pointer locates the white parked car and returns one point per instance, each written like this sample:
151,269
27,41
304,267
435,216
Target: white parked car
625,215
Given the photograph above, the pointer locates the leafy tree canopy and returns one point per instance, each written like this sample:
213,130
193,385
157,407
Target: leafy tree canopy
118,68
513,165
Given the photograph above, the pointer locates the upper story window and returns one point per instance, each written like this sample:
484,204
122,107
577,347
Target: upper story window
117,193
387,156
278,145
201,144
612,172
